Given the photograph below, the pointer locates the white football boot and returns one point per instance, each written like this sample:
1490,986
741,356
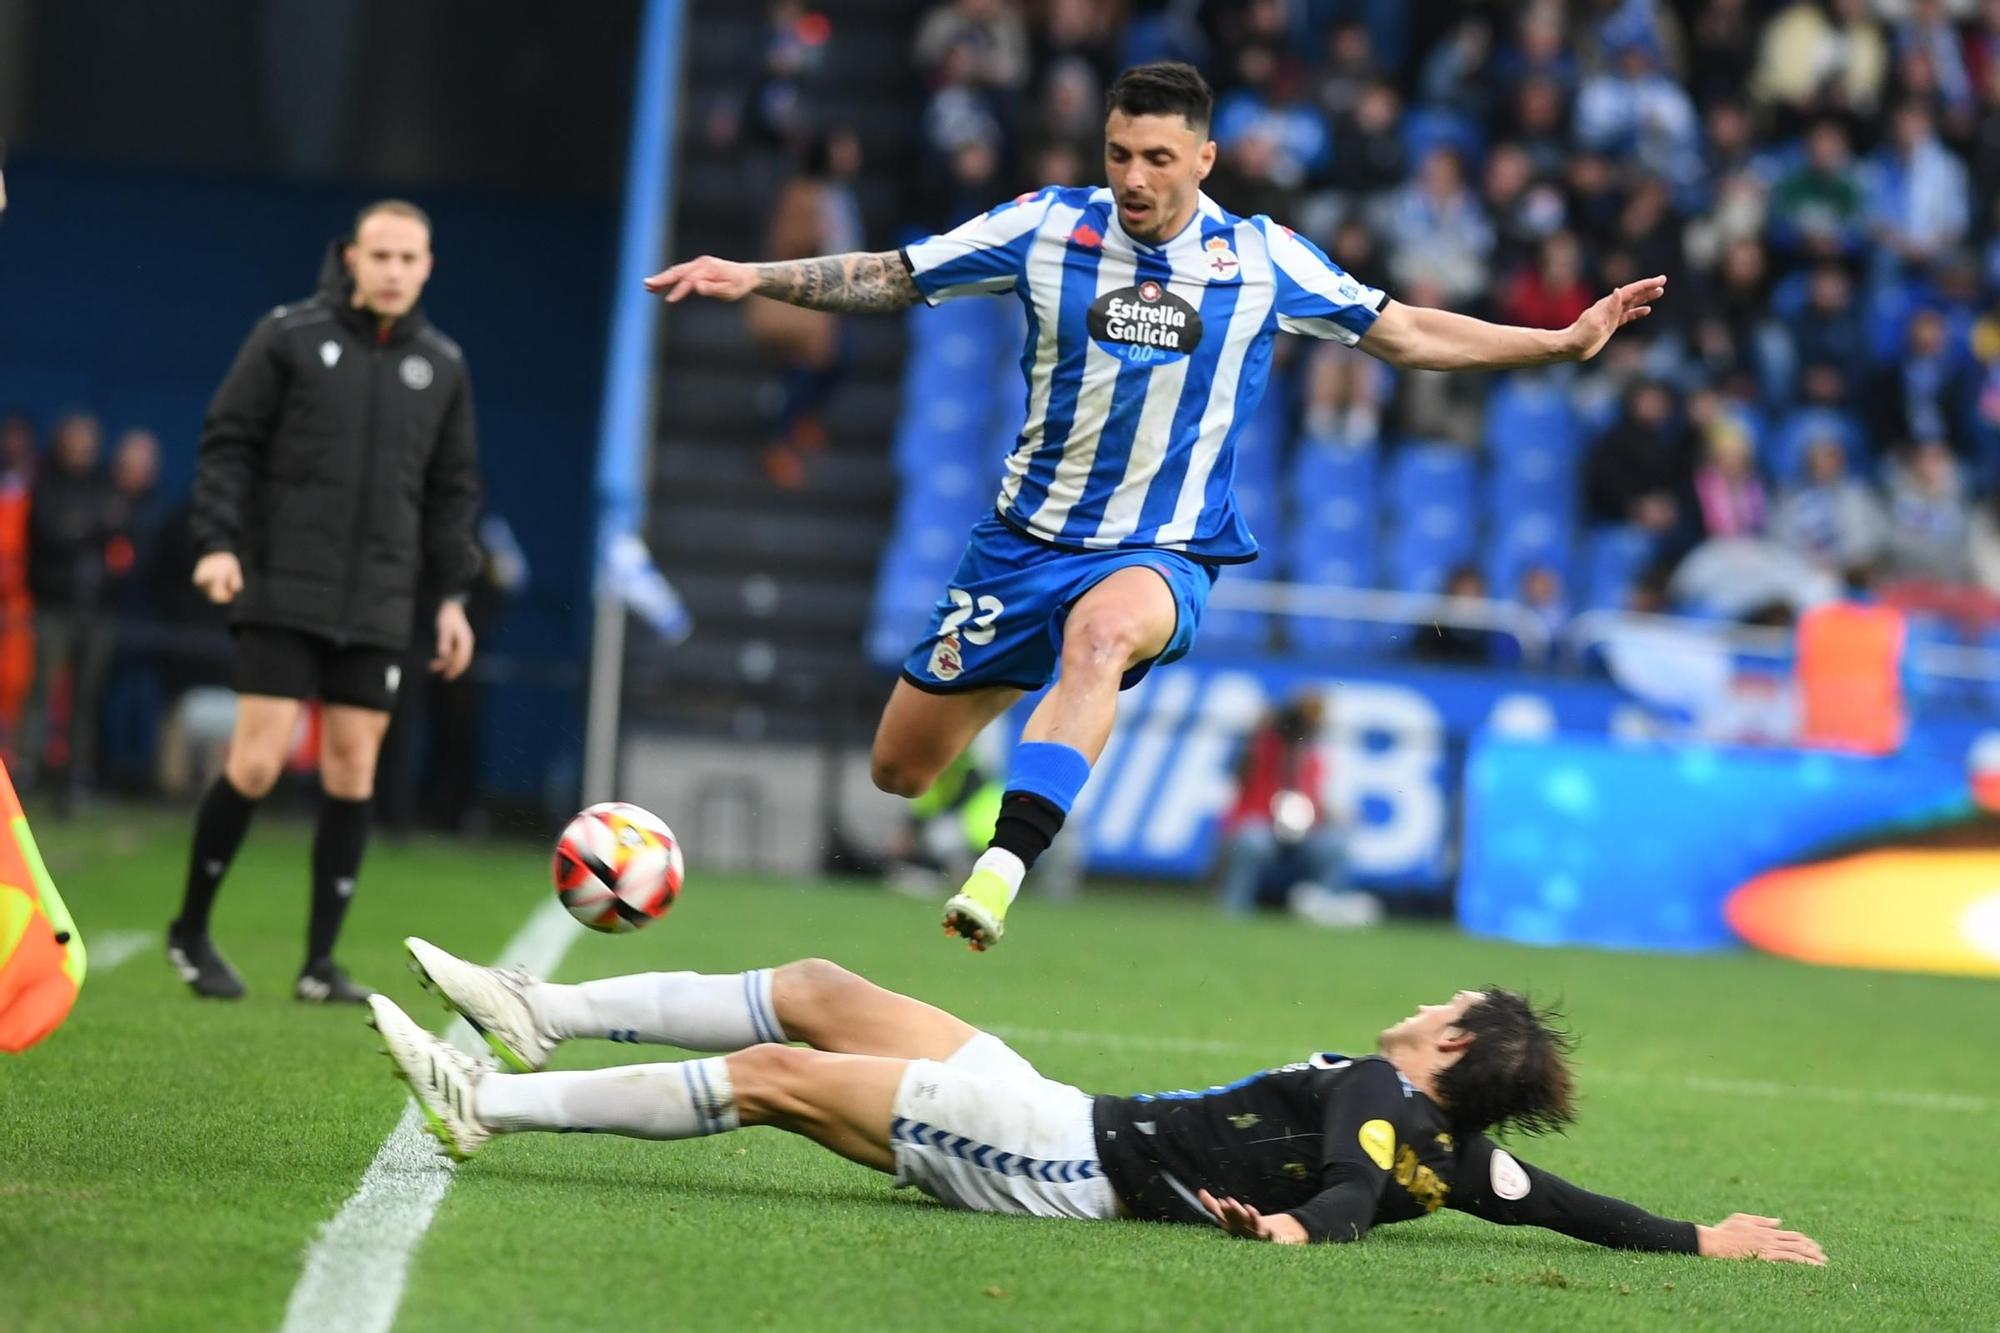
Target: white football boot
493,1000
444,1079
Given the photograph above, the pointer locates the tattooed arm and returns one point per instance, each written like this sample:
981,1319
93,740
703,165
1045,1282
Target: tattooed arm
851,282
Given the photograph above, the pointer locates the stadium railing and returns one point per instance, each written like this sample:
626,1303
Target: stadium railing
1377,607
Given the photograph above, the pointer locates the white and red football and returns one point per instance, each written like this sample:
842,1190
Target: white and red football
617,867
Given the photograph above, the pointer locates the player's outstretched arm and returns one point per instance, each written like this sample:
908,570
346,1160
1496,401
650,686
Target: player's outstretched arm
1421,338
851,283
1747,1236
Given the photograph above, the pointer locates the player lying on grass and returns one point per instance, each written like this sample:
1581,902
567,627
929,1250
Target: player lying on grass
1320,1150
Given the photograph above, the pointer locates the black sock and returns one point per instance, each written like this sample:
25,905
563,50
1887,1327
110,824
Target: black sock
1027,825
219,826
338,842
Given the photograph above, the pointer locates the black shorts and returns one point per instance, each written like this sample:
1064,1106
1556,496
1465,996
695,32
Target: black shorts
291,664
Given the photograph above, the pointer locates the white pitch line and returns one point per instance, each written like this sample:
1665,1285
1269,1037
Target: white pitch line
114,948
1915,1099
355,1269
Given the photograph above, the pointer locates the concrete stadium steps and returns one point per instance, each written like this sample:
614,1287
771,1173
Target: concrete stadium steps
779,582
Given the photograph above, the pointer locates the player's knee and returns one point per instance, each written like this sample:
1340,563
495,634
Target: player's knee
810,995
1100,643
252,772
348,772
898,777
773,1084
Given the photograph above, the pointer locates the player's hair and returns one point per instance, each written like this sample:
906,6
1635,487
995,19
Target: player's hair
401,208
1163,88
1515,1074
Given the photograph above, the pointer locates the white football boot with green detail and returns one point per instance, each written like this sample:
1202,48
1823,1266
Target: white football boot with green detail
444,1079
493,1000
978,912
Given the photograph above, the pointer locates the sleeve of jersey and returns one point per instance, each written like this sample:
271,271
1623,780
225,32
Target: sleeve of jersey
1315,296
1359,1145
1499,1187
982,257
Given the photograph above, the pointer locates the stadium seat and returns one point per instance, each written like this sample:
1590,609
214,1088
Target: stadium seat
1784,455
1425,128
1614,559
1351,566
1529,415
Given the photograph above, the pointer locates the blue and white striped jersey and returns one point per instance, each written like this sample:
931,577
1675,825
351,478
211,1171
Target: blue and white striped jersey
1143,362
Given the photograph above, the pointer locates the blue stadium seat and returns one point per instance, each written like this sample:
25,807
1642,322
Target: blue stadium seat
1432,495
1352,566
1332,493
1425,128
1528,415
1422,473
1614,559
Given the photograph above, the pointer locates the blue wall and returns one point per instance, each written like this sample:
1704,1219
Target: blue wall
127,292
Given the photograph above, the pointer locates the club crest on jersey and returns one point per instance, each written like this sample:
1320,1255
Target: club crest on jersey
416,372
1223,265
1144,324
329,353
947,663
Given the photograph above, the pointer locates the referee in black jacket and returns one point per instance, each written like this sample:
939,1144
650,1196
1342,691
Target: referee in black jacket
337,468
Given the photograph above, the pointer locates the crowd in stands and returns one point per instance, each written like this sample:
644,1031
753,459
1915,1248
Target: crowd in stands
1818,398
88,557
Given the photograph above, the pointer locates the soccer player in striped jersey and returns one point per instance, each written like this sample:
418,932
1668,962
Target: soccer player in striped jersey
1151,316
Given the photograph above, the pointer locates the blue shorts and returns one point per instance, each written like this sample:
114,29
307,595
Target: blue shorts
1001,621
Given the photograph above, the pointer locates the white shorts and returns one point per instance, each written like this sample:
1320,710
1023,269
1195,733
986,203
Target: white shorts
985,1131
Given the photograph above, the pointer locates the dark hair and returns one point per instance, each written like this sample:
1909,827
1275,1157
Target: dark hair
1163,88
401,208
1515,1074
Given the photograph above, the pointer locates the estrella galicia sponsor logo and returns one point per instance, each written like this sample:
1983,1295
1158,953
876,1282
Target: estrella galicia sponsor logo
1145,324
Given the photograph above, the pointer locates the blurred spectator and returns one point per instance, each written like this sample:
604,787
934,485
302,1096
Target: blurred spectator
815,214
1270,106
1726,485
1345,394
1722,54
1552,293
773,109
980,44
1634,109
1822,55
1919,200
1525,211
1439,233
1929,516
1927,34
1458,76
17,606
1818,208
1640,472
1828,516
1371,157
1539,50
1827,330
1541,591
1280,848
1436,404
1541,126
1922,396
133,698
1451,643
71,523
1350,67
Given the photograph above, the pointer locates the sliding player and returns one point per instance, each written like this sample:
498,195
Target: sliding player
1151,314
1317,1151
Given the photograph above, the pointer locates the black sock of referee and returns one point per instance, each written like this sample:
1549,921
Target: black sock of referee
1027,825
338,842
219,826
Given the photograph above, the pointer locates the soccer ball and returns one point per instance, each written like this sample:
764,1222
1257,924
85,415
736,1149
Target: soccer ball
617,867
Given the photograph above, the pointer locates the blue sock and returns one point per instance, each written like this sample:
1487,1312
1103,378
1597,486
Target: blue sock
1050,770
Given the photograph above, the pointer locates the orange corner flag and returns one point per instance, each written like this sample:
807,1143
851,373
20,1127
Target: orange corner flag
41,954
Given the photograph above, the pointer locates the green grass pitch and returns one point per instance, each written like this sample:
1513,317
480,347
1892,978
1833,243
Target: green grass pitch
164,1164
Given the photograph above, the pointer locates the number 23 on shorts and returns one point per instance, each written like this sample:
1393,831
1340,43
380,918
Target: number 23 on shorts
972,620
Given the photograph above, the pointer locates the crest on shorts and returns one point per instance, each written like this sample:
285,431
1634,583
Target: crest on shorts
416,372
946,661
392,677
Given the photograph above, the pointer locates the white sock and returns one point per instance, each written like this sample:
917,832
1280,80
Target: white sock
687,1009
1006,865
666,1101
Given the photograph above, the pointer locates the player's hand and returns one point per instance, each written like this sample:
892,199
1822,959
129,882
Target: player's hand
722,279
454,631
1747,1236
219,575
1240,1219
1633,301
